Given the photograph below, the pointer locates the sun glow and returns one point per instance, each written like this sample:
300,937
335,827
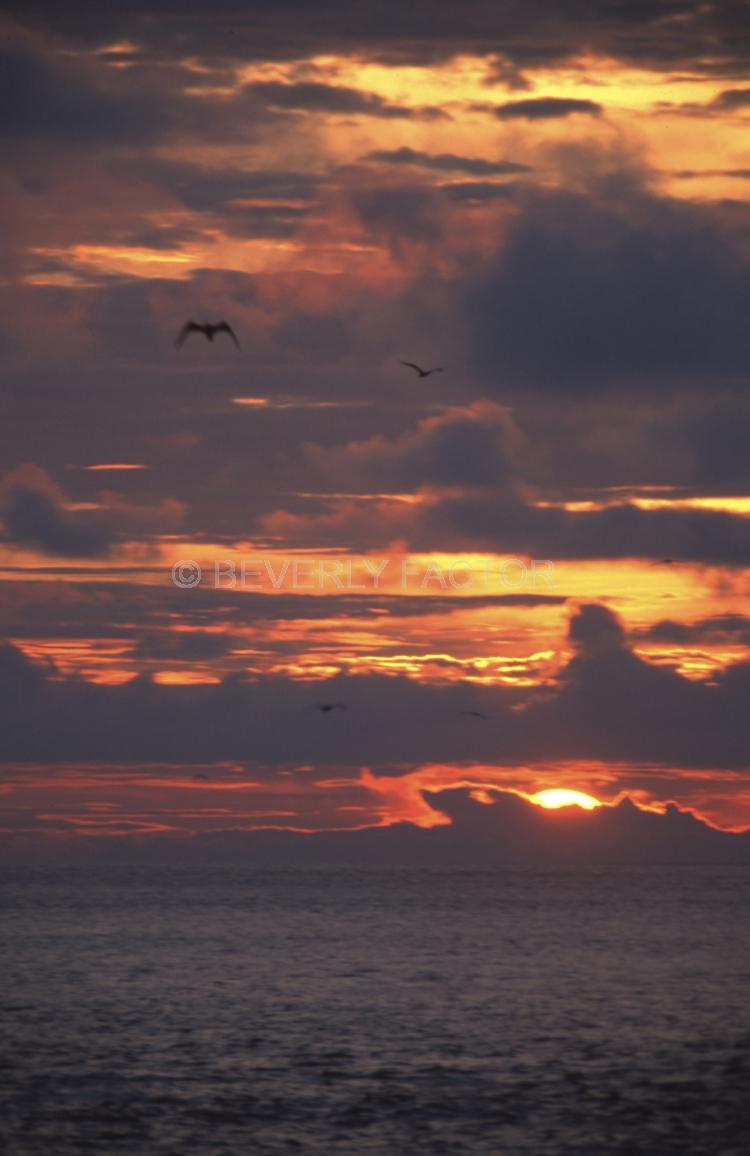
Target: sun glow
557,797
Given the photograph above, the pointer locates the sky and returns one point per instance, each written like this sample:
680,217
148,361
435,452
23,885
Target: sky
527,571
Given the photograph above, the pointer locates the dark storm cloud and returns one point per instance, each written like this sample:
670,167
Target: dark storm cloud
34,519
184,646
60,609
477,191
607,704
505,830
70,100
311,96
594,628
675,34
497,521
510,830
580,292
229,479
258,221
18,676
620,531
162,238
399,215
213,189
631,706
55,608
477,446
34,513
269,720
716,628
47,97
546,108
694,443
474,467
243,202
616,285
116,313
475,166
732,99
700,174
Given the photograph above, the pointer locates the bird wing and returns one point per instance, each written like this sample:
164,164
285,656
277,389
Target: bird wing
188,327
224,327
412,365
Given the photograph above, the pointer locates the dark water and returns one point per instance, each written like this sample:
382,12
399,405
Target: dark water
388,1012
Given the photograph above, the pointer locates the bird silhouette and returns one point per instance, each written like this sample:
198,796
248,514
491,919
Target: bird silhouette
327,707
208,330
422,372
474,713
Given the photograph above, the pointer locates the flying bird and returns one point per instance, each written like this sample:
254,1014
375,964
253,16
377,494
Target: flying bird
474,713
208,330
327,707
422,372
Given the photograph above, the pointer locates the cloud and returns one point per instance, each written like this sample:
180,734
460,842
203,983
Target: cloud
477,192
611,700
36,514
311,96
510,830
33,515
406,218
595,630
52,609
474,491
687,37
700,174
32,519
476,445
451,162
716,628
606,704
19,678
731,99
503,830
591,290
546,108
48,97
184,645
213,188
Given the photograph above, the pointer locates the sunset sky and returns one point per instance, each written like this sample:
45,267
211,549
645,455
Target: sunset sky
528,571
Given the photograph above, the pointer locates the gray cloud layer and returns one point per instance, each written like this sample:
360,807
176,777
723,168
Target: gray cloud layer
608,704
677,35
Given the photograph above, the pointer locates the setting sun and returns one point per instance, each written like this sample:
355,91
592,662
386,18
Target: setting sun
557,797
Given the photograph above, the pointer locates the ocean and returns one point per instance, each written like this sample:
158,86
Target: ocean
222,1010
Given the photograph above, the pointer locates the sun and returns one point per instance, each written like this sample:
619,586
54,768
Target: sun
557,797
